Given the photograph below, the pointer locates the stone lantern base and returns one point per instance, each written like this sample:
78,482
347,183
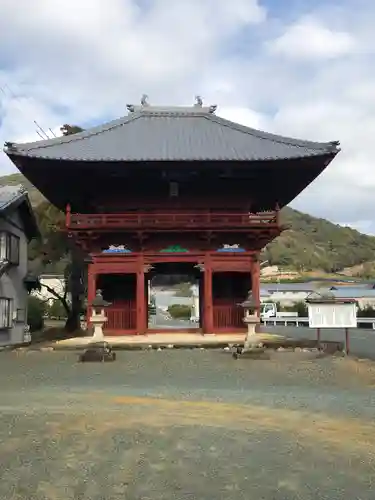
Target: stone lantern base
98,351
97,321
252,338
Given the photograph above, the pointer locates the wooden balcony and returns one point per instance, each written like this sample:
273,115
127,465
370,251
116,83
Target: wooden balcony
159,221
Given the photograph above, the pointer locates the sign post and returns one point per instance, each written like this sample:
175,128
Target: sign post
325,311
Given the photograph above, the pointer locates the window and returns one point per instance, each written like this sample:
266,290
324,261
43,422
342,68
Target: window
5,313
3,246
10,248
14,249
21,316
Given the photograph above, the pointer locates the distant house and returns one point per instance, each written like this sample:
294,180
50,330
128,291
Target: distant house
286,294
364,296
17,227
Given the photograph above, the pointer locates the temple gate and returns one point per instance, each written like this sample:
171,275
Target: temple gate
178,186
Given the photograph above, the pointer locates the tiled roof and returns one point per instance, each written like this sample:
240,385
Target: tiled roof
354,293
360,291
16,197
289,287
365,286
346,293
10,194
180,134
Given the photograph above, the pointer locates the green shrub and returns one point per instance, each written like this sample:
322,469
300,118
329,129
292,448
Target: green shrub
301,309
366,312
179,311
56,310
35,312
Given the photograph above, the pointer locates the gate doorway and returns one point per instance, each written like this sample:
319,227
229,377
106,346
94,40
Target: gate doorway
120,291
174,298
229,289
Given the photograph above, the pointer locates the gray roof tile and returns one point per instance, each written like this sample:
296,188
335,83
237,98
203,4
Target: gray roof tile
354,293
10,194
289,287
181,134
15,197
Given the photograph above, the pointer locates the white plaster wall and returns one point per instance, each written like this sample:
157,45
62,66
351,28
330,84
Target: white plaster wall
12,284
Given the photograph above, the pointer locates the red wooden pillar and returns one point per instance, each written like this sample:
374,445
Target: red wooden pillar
255,281
140,300
91,290
68,216
208,319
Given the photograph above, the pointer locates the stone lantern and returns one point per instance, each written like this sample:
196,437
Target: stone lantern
251,319
98,317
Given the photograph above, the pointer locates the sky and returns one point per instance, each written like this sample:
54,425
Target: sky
300,68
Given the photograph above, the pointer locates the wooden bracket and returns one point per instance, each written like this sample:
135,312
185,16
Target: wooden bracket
200,266
147,268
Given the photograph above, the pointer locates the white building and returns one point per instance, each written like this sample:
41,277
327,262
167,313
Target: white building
287,294
17,227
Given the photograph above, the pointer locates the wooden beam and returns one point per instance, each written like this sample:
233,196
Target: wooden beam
208,314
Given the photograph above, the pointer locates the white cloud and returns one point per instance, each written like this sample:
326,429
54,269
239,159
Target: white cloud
310,39
243,116
85,59
81,61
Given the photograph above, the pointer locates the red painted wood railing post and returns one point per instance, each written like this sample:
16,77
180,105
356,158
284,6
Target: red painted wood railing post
277,214
140,298
68,216
208,314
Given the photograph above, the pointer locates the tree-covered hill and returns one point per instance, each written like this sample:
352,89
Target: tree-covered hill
311,243
308,244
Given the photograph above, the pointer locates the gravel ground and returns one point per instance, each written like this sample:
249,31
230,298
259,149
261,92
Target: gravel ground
186,424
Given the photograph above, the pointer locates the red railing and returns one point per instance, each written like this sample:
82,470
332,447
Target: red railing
228,316
122,317
171,220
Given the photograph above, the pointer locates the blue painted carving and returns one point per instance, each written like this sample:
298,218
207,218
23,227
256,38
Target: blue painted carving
231,248
117,249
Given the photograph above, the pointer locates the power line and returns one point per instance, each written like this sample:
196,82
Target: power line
40,128
17,100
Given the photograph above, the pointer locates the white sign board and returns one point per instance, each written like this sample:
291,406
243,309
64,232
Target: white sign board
342,315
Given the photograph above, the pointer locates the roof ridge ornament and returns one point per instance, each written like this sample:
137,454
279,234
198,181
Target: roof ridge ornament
199,101
144,100
10,146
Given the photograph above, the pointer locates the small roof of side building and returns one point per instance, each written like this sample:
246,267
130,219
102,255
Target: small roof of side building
289,287
153,134
348,293
354,293
16,198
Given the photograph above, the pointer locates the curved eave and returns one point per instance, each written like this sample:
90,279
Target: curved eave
13,155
